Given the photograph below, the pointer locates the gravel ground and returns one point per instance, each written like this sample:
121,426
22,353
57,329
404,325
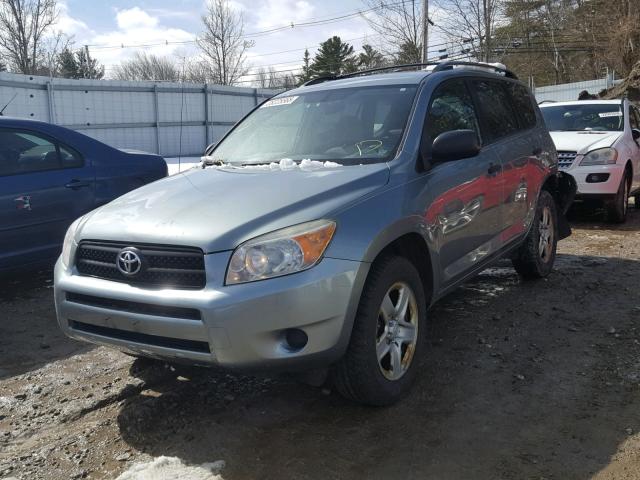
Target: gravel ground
522,380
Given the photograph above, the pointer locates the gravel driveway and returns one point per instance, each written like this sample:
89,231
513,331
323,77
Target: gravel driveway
523,380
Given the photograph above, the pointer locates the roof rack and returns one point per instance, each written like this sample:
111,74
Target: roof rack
453,63
439,66
392,68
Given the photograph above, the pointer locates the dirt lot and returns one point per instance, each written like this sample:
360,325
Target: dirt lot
523,380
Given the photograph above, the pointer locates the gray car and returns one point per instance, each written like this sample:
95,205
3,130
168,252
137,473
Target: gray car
319,230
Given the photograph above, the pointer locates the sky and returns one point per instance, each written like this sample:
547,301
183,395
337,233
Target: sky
106,25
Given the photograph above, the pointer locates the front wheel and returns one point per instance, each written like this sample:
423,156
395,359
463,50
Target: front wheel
617,208
388,335
536,256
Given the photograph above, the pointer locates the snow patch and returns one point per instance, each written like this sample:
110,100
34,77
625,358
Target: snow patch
284,164
172,468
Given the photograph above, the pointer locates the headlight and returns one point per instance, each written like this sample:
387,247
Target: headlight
602,156
285,251
69,243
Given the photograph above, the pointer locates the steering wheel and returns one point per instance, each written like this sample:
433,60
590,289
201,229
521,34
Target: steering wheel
368,146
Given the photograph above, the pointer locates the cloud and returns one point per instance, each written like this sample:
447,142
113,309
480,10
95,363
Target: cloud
69,25
136,26
135,17
276,13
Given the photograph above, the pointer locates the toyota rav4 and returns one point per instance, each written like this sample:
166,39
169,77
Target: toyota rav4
318,231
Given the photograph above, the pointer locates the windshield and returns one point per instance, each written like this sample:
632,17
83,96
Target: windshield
349,126
579,117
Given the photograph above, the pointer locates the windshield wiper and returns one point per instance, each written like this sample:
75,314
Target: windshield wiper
211,162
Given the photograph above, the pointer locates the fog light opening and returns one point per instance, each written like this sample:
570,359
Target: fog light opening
295,339
597,177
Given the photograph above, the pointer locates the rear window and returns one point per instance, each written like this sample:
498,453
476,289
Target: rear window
495,105
523,104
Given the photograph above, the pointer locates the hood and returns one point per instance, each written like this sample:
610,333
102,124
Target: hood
216,208
583,141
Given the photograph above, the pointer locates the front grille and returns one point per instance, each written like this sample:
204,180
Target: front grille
565,159
134,307
163,266
143,338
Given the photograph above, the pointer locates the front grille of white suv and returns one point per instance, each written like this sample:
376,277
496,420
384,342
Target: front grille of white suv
566,159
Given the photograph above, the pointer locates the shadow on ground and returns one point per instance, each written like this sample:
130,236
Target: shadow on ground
29,333
592,216
521,380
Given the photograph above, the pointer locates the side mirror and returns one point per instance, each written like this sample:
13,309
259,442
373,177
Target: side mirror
636,134
455,145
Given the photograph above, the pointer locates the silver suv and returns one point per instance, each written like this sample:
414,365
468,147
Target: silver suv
319,230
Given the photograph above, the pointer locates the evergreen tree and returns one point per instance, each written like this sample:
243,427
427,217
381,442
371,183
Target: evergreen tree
409,53
334,57
305,76
370,58
88,67
67,64
78,65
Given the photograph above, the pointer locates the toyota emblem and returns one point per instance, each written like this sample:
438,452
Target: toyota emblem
129,262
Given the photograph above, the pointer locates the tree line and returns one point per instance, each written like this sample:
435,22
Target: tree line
543,41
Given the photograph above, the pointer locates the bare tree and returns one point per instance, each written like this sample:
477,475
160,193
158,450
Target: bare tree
399,23
52,47
471,25
271,78
222,42
145,66
23,25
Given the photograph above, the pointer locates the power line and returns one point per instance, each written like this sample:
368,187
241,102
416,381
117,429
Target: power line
309,23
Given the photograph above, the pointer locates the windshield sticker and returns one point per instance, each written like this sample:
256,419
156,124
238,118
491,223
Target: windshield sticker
610,114
276,102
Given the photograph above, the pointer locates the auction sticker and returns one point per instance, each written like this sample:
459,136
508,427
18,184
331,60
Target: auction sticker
276,102
610,114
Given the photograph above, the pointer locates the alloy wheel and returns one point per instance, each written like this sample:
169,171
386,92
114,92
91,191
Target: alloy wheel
545,242
397,332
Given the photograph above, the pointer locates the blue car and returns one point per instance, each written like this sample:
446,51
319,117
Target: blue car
49,176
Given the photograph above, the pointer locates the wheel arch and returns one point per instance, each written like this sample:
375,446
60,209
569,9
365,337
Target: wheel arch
411,244
562,187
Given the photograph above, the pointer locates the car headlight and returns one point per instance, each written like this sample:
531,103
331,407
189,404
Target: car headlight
282,252
69,244
602,156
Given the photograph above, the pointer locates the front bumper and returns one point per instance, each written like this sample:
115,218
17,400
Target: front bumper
608,187
232,326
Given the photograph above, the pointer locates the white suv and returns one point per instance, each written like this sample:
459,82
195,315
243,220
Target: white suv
598,144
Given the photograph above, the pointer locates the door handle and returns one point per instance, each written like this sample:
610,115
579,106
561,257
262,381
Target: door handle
494,168
76,184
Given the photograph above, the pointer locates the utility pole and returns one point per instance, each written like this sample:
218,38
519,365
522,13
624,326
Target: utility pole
425,31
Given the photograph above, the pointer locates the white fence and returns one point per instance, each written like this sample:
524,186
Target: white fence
166,118
569,91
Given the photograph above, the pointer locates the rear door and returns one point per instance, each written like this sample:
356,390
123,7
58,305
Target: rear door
44,186
509,127
462,214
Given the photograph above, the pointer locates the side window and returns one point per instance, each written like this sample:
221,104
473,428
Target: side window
70,158
451,108
495,106
25,152
28,152
523,104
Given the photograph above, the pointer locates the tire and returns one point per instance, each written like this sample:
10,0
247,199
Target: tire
535,258
636,202
366,374
618,207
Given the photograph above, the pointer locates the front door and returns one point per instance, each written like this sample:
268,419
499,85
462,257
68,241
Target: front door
462,196
43,188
